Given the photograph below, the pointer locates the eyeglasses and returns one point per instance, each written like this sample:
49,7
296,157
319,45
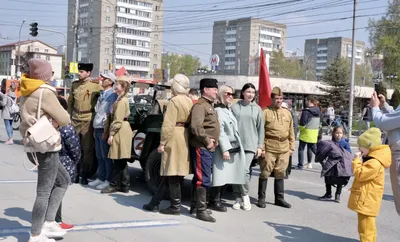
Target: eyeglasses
229,94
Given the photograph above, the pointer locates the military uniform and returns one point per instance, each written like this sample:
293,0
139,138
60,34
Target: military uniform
279,140
81,103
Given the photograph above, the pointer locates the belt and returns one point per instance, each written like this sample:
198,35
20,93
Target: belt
82,112
126,119
181,124
276,138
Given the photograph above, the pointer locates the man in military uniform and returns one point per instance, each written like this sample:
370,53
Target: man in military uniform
81,103
279,142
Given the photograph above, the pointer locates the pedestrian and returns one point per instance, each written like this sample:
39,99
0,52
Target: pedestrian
205,130
330,112
389,120
229,162
102,109
250,119
9,108
335,158
70,156
366,117
81,103
174,146
309,129
369,181
119,138
194,95
279,143
53,179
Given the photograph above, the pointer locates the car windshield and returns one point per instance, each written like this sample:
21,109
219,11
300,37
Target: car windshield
143,93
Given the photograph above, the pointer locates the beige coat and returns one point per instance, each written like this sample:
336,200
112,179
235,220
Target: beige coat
175,159
120,129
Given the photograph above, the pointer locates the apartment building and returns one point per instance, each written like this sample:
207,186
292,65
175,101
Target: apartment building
128,30
237,42
28,49
319,53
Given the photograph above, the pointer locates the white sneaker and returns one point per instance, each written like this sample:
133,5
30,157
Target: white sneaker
246,203
238,204
95,183
53,230
309,165
40,238
103,185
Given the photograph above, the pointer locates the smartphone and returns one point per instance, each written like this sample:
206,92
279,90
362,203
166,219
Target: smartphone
376,87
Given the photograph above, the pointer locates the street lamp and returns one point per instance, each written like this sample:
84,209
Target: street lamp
391,77
19,49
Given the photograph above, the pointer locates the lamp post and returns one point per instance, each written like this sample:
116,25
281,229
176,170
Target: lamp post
353,68
391,77
19,49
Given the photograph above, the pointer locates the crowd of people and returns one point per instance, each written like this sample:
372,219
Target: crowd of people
212,137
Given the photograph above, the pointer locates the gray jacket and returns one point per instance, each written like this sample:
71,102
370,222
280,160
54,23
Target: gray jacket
103,107
335,160
251,125
6,103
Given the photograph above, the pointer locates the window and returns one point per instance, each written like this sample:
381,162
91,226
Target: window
38,57
157,8
156,27
107,50
230,59
155,56
156,36
107,19
155,46
48,58
107,40
155,66
36,49
106,61
46,50
108,9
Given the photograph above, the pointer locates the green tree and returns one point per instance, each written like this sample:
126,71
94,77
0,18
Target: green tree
336,79
282,67
185,64
385,37
395,101
363,72
382,89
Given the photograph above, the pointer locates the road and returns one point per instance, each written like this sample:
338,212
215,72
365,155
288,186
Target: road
119,217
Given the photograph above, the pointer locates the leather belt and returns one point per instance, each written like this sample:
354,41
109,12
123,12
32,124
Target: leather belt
276,138
126,119
181,124
82,112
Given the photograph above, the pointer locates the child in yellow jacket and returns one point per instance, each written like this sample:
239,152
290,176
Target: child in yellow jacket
369,180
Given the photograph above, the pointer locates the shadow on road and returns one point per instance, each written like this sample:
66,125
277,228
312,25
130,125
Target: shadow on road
20,213
301,195
7,224
295,233
16,142
387,197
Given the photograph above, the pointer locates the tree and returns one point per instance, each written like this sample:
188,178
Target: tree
385,36
363,71
382,89
395,101
184,64
282,67
336,79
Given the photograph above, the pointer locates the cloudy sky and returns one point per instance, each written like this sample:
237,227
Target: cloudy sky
188,24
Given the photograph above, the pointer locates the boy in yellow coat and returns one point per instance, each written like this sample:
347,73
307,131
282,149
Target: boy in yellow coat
369,180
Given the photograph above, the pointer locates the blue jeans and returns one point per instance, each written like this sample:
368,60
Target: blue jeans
105,164
202,166
9,129
311,148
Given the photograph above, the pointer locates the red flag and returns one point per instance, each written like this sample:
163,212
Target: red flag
264,84
121,71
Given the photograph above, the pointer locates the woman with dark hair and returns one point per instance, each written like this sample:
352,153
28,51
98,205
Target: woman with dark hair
250,120
120,138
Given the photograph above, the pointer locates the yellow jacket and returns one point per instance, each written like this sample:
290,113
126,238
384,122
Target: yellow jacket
369,180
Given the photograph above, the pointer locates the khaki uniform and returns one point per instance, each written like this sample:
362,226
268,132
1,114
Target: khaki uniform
278,141
81,103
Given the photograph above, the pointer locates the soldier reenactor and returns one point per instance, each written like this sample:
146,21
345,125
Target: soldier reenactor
81,103
279,141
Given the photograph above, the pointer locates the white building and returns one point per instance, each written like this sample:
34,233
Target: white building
28,49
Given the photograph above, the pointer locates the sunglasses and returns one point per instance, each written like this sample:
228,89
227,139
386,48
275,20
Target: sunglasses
229,94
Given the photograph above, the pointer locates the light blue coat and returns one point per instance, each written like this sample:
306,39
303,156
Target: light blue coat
231,171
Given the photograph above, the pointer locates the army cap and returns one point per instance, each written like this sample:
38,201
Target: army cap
208,83
277,91
85,66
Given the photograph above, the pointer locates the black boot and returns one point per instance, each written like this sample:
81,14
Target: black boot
175,197
328,194
193,203
157,198
338,192
215,200
110,189
262,188
201,213
279,189
84,179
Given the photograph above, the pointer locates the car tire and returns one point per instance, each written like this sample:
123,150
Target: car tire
152,171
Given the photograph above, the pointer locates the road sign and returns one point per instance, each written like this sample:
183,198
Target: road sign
214,61
73,68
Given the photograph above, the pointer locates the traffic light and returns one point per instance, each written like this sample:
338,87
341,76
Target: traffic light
34,29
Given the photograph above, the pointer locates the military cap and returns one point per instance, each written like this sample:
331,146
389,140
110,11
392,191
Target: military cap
85,66
277,91
208,83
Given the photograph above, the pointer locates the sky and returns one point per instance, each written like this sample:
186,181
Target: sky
188,24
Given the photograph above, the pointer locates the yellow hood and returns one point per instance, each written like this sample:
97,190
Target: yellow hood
383,154
28,85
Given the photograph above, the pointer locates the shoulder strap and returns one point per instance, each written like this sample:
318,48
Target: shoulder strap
40,104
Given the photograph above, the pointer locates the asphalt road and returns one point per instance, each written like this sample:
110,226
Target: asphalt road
119,217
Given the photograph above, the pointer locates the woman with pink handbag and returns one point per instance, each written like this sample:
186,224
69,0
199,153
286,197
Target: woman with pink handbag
40,110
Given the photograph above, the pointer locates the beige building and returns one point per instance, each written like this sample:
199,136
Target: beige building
135,26
237,43
28,49
319,53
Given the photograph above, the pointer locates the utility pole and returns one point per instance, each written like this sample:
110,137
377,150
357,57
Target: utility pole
17,69
76,30
114,56
353,67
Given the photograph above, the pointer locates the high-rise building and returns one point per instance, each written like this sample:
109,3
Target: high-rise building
127,30
237,42
319,53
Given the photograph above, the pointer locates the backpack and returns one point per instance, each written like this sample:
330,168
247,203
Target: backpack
14,108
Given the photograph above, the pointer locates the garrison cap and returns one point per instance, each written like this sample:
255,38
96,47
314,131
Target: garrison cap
85,66
208,83
277,91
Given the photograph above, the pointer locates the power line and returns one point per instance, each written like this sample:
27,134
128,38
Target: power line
39,3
